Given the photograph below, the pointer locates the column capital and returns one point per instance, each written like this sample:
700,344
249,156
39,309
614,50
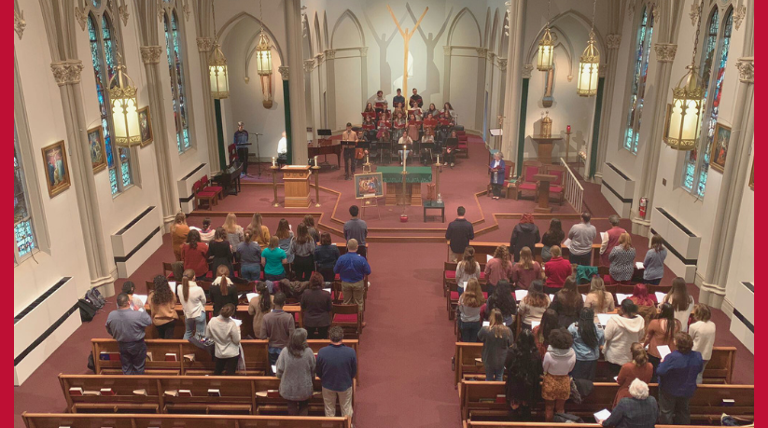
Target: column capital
746,66
527,69
665,52
205,44
122,10
320,57
283,69
613,41
739,15
67,72
150,54
19,23
309,65
502,63
481,52
330,54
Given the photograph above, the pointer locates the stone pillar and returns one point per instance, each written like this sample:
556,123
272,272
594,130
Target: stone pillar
612,42
480,99
293,29
511,124
665,55
67,75
204,47
330,88
150,55
732,188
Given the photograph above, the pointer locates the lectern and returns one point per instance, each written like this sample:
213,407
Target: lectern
543,180
296,180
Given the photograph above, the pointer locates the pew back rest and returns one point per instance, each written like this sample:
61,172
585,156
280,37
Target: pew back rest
75,420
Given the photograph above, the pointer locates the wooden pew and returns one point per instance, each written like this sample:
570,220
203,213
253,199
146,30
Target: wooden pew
499,424
478,401
77,420
244,395
469,365
256,356
485,249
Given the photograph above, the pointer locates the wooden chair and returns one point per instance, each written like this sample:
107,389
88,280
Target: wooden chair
557,187
206,196
509,176
463,146
526,182
168,270
205,184
347,317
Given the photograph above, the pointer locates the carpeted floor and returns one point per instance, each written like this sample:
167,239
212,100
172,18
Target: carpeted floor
406,349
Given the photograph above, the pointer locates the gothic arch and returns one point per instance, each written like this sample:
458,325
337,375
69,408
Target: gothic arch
318,35
563,43
348,14
223,32
504,42
566,42
456,20
487,35
494,32
308,35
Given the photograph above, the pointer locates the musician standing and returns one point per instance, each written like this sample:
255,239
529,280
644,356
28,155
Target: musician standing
241,143
349,152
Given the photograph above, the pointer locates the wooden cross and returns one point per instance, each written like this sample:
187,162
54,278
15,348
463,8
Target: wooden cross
406,39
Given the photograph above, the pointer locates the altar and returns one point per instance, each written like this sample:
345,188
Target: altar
393,180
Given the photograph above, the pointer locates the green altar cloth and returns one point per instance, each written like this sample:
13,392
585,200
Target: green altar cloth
416,174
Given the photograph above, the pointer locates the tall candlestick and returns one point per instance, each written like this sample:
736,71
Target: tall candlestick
273,161
438,159
405,157
315,160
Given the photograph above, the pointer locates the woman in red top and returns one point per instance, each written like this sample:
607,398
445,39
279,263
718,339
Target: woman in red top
498,268
556,270
549,322
194,254
638,368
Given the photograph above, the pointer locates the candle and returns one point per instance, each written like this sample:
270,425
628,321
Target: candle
273,161
405,158
315,160
438,159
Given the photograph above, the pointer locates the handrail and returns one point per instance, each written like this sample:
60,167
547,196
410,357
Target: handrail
574,192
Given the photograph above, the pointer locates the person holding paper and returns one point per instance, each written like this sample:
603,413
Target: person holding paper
296,371
527,270
162,306
222,290
661,332
128,327
356,228
498,268
557,269
277,326
581,237
638,368
250,258
260,306
568,303
194,254
703,333
496,338
502,300
524,370
612,240
640,410
646,306
533,305
225,333
587,340
654,261
352,269
135,302
192,298
677,381
498,175
620,333
467,269
316,307
600,300
470,303
681,301
558,362
554,236
525,234
622,259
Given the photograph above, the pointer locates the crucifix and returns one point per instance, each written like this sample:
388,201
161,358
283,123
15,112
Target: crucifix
406,39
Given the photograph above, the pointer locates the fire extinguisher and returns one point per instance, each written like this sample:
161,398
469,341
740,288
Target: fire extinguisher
643,207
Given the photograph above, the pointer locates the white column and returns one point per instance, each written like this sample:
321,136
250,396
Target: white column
296,81
204,46
511,125
612,41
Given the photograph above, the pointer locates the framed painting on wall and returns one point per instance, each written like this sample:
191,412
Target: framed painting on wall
56,168
719,150
145,126
97,149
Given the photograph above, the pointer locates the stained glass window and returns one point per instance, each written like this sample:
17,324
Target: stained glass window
104,60
639,76
176,69
23,230
696,166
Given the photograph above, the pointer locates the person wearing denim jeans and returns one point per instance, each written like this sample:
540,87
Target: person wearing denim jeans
192,298
496,339
250,258
277,326
195,327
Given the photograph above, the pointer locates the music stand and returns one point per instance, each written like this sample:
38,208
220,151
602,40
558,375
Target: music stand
321,133
258,153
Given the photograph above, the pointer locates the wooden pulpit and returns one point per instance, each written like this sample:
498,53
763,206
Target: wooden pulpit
544,148
296,180
544,180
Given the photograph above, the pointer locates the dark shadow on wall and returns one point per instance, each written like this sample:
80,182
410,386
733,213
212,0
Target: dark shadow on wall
433,74
385,71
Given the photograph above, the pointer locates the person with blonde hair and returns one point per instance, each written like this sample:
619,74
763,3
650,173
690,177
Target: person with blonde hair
234,231
600,300
192,298
274,258
285,236
498,268
258,230
526,271
496,338
681,301
533,305
225,333
470,304
638,410
654,261
638,368
179,232
703,333
557,269
310,222
622,259
467,268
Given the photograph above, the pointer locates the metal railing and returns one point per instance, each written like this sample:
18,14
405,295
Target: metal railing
574,192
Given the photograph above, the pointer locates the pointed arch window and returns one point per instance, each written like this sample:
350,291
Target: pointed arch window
176,69
639,77
103,55
23,229
714,59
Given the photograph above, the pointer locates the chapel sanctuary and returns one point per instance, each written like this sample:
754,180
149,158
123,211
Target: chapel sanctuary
383,213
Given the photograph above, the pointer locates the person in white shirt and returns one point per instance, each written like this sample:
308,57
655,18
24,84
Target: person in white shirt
703,334
683,302
225,333
582,235
282,150
405,140
192,298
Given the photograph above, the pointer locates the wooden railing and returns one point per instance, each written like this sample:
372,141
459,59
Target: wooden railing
574,192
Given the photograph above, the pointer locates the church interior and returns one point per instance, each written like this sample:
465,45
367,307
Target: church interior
217,116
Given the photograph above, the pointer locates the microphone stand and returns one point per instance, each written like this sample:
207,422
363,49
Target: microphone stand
258,152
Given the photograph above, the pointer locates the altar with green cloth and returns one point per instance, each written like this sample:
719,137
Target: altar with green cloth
393,179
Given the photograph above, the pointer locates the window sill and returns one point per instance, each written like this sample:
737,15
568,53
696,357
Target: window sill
125,190
628,151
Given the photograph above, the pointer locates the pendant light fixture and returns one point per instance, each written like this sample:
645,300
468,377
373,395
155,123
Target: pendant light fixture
217,65
589,64
264,63
683,118
125,115
546,46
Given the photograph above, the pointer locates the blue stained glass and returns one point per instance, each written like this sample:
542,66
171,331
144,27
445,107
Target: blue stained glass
22,227
176,70
126,172
113,180
109,52
25,239
640,73
690,168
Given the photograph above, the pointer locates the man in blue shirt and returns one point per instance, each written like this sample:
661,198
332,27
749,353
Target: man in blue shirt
127,327
677,381
352,269
336,367
241,142
399,99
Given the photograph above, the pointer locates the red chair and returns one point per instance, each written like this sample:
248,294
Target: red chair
556,187
526,182
348,318
463,146
203,196
207,186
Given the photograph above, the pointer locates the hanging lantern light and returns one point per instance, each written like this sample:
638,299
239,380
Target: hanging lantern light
589,65
546,47
683,118
125,115
264,63
217,66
